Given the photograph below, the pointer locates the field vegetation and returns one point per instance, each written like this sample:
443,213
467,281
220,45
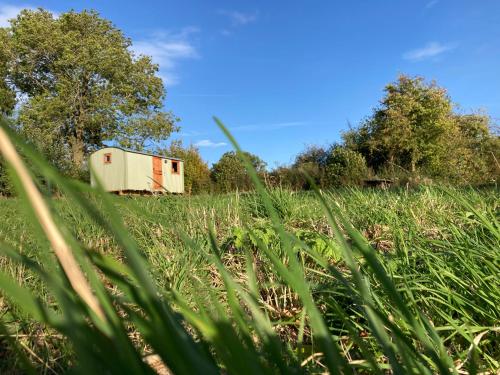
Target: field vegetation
340,281
296,269
76,99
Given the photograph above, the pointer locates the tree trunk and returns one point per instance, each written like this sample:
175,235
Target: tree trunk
412,164
78,145
391,163
78,149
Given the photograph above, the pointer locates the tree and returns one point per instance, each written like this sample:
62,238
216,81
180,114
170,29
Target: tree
230,174
288,177
345,167
407,128
7,94
472,157
83,85
334,166
311,161
196,171
416,130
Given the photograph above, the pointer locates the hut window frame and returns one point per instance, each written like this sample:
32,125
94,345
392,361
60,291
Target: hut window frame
175,167
107,158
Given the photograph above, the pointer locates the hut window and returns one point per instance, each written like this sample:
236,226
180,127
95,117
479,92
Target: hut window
175,167
107,158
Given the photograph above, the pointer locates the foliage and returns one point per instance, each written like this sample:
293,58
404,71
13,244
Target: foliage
327,168
254,206
415,130
81,85
264,234
287,177
414,290
312,154
196,171
409,126
6,187
230,174
7,95
474,153
312,161
345,167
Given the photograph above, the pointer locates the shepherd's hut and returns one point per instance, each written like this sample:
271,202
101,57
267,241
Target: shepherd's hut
126,171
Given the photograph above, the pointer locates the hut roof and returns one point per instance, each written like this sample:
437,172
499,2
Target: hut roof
142,153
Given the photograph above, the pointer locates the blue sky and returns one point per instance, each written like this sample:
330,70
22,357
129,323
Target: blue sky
286,74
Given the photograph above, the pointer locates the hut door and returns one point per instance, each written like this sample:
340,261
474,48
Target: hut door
157,173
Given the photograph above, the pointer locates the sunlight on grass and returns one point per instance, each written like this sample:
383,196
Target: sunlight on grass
345,281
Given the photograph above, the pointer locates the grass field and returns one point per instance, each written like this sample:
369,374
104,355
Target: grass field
277,290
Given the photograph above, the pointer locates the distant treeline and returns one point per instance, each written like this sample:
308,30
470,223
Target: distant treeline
415,135
70,83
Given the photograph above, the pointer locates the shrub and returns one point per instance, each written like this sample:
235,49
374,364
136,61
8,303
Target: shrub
196,171
229,173
345,167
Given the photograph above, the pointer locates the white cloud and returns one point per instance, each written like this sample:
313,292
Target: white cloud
269,126
239,18
8,12
432,49
192,133
166,50
209,143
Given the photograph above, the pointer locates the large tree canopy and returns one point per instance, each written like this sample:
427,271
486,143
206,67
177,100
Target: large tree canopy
408,126
80,84
230,174
7,94
416,129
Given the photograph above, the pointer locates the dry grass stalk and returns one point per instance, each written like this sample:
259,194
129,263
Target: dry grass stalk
155,362
55,237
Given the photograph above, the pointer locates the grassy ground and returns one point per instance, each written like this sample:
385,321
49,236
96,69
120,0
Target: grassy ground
439,247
